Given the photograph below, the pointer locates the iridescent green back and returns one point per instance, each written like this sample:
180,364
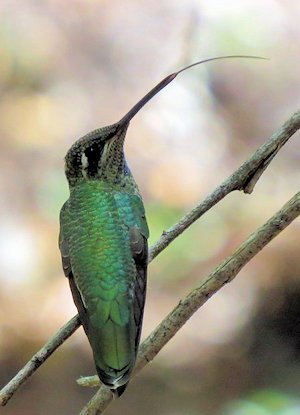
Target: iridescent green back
103,242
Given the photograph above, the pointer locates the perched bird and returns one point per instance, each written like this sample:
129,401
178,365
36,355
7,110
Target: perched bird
103,244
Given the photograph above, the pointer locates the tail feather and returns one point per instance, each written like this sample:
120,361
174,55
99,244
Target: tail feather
119,391
117,381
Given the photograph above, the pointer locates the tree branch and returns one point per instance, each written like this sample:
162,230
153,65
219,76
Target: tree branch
223,274
244,179
39,358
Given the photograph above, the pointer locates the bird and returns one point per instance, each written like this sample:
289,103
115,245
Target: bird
103,244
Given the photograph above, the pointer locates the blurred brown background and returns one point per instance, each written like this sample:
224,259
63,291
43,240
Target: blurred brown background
67,67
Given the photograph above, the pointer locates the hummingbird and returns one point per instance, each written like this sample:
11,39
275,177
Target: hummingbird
103,244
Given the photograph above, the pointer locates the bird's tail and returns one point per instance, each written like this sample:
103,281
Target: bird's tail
119,391
117,384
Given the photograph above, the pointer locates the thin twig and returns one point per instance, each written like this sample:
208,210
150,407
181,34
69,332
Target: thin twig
244,179
221,275
39,358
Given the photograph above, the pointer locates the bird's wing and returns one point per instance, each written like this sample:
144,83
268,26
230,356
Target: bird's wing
67,268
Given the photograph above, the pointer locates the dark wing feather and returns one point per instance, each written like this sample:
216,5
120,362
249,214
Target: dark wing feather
139,247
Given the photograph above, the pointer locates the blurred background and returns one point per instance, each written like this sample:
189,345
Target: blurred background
67,68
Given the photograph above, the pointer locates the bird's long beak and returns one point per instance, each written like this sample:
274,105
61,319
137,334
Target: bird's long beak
135,109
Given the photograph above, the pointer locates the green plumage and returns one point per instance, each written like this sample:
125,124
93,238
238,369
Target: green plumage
103,243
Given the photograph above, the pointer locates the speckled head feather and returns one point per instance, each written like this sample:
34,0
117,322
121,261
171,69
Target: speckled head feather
97,155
